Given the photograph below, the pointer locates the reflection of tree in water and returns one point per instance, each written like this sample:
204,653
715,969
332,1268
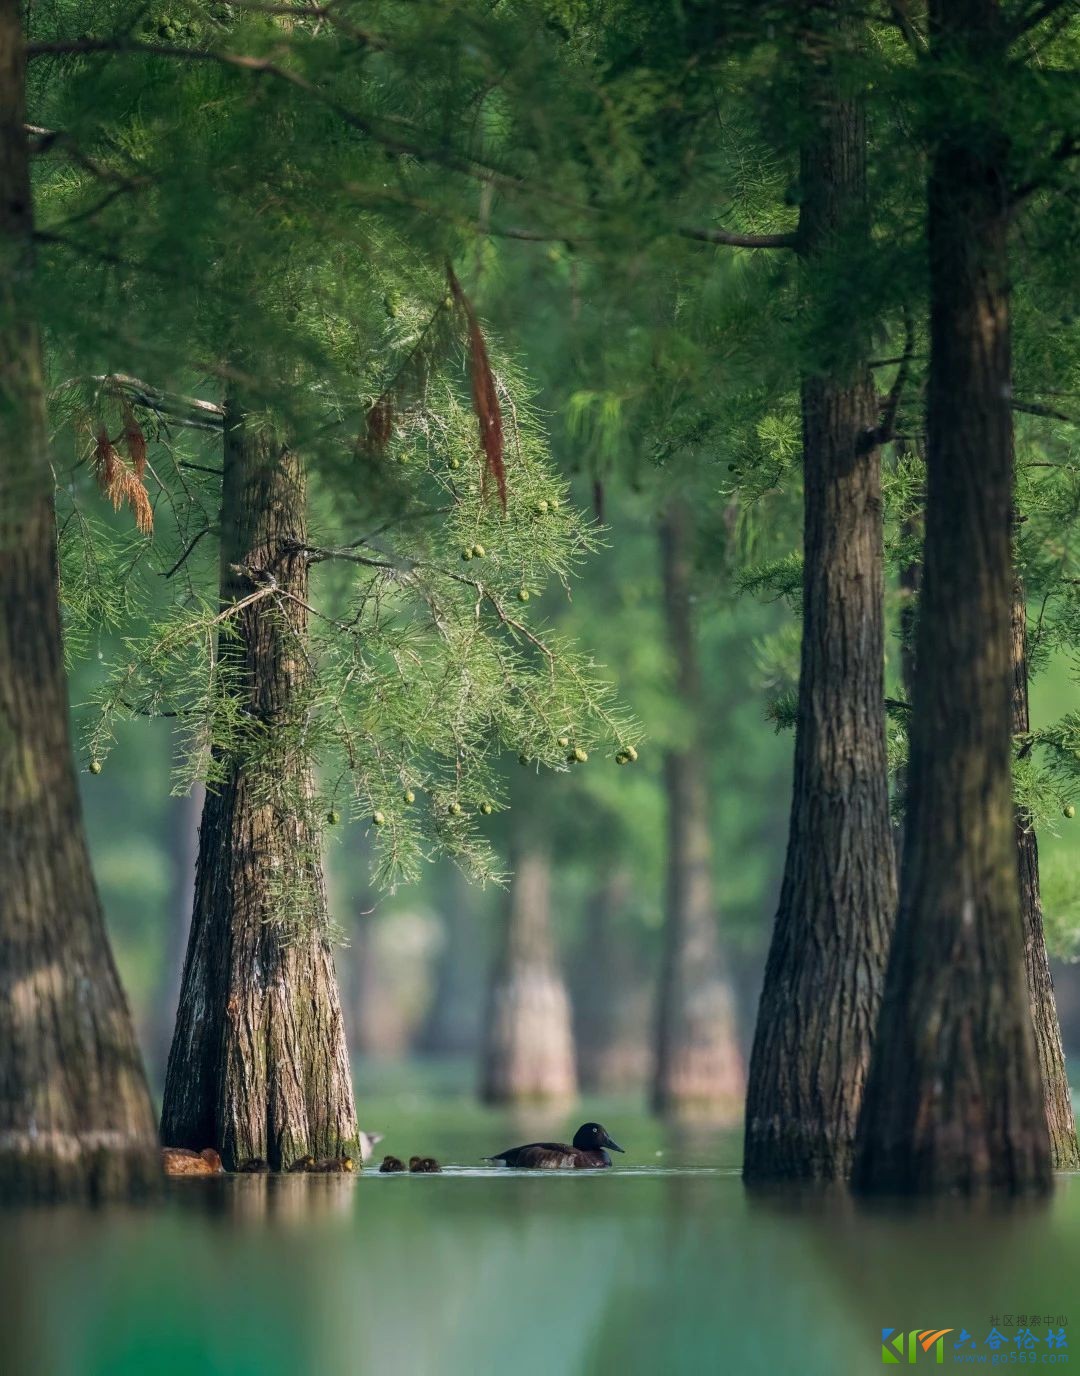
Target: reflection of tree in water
287,1199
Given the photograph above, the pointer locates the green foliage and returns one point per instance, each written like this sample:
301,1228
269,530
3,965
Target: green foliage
422,666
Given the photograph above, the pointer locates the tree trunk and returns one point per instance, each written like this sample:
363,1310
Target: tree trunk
452,1025
528,1048
379,1017
699,1067
75,1113
1055,1080
259,1065
183,824
827,960
953,1100
614,1051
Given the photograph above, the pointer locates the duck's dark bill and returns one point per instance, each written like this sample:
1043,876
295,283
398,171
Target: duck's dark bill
613,1145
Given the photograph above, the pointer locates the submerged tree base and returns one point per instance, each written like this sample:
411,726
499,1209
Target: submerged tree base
92,1167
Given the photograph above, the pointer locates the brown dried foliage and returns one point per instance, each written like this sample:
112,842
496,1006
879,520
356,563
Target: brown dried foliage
135,441
411,380
484,392
121,484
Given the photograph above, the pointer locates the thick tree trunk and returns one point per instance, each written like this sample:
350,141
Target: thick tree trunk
75,1113
826,963
953,1100
699,1066
611,1032
1060,1122
528,1041
452,1025
259,1065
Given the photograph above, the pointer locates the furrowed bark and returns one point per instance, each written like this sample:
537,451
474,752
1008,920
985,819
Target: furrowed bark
699,1066
954,1101
827,959
259,1065
75,1114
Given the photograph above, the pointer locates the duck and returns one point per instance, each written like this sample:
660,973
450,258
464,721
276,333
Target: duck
368,1142
586,1153
424,1165
258,1165
182,1161
391,1165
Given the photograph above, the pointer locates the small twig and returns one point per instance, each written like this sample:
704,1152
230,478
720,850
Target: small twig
183,558
887,428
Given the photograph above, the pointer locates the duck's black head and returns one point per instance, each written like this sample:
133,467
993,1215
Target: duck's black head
592,1137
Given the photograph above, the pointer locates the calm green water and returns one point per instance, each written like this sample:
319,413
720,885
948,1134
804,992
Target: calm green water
661,1266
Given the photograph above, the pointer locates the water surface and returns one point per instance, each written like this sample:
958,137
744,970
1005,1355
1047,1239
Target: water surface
663,1265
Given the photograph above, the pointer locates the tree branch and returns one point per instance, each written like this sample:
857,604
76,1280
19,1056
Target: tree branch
1034,408
737,240
886,428
405,144
903,21
1068,148
190,546
1036,16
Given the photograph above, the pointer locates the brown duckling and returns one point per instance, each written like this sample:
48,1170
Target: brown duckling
256,1166
331,1165
301,1164
181,1161
391,1165
424,1165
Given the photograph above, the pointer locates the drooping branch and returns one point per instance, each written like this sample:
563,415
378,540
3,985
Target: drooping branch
405,143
